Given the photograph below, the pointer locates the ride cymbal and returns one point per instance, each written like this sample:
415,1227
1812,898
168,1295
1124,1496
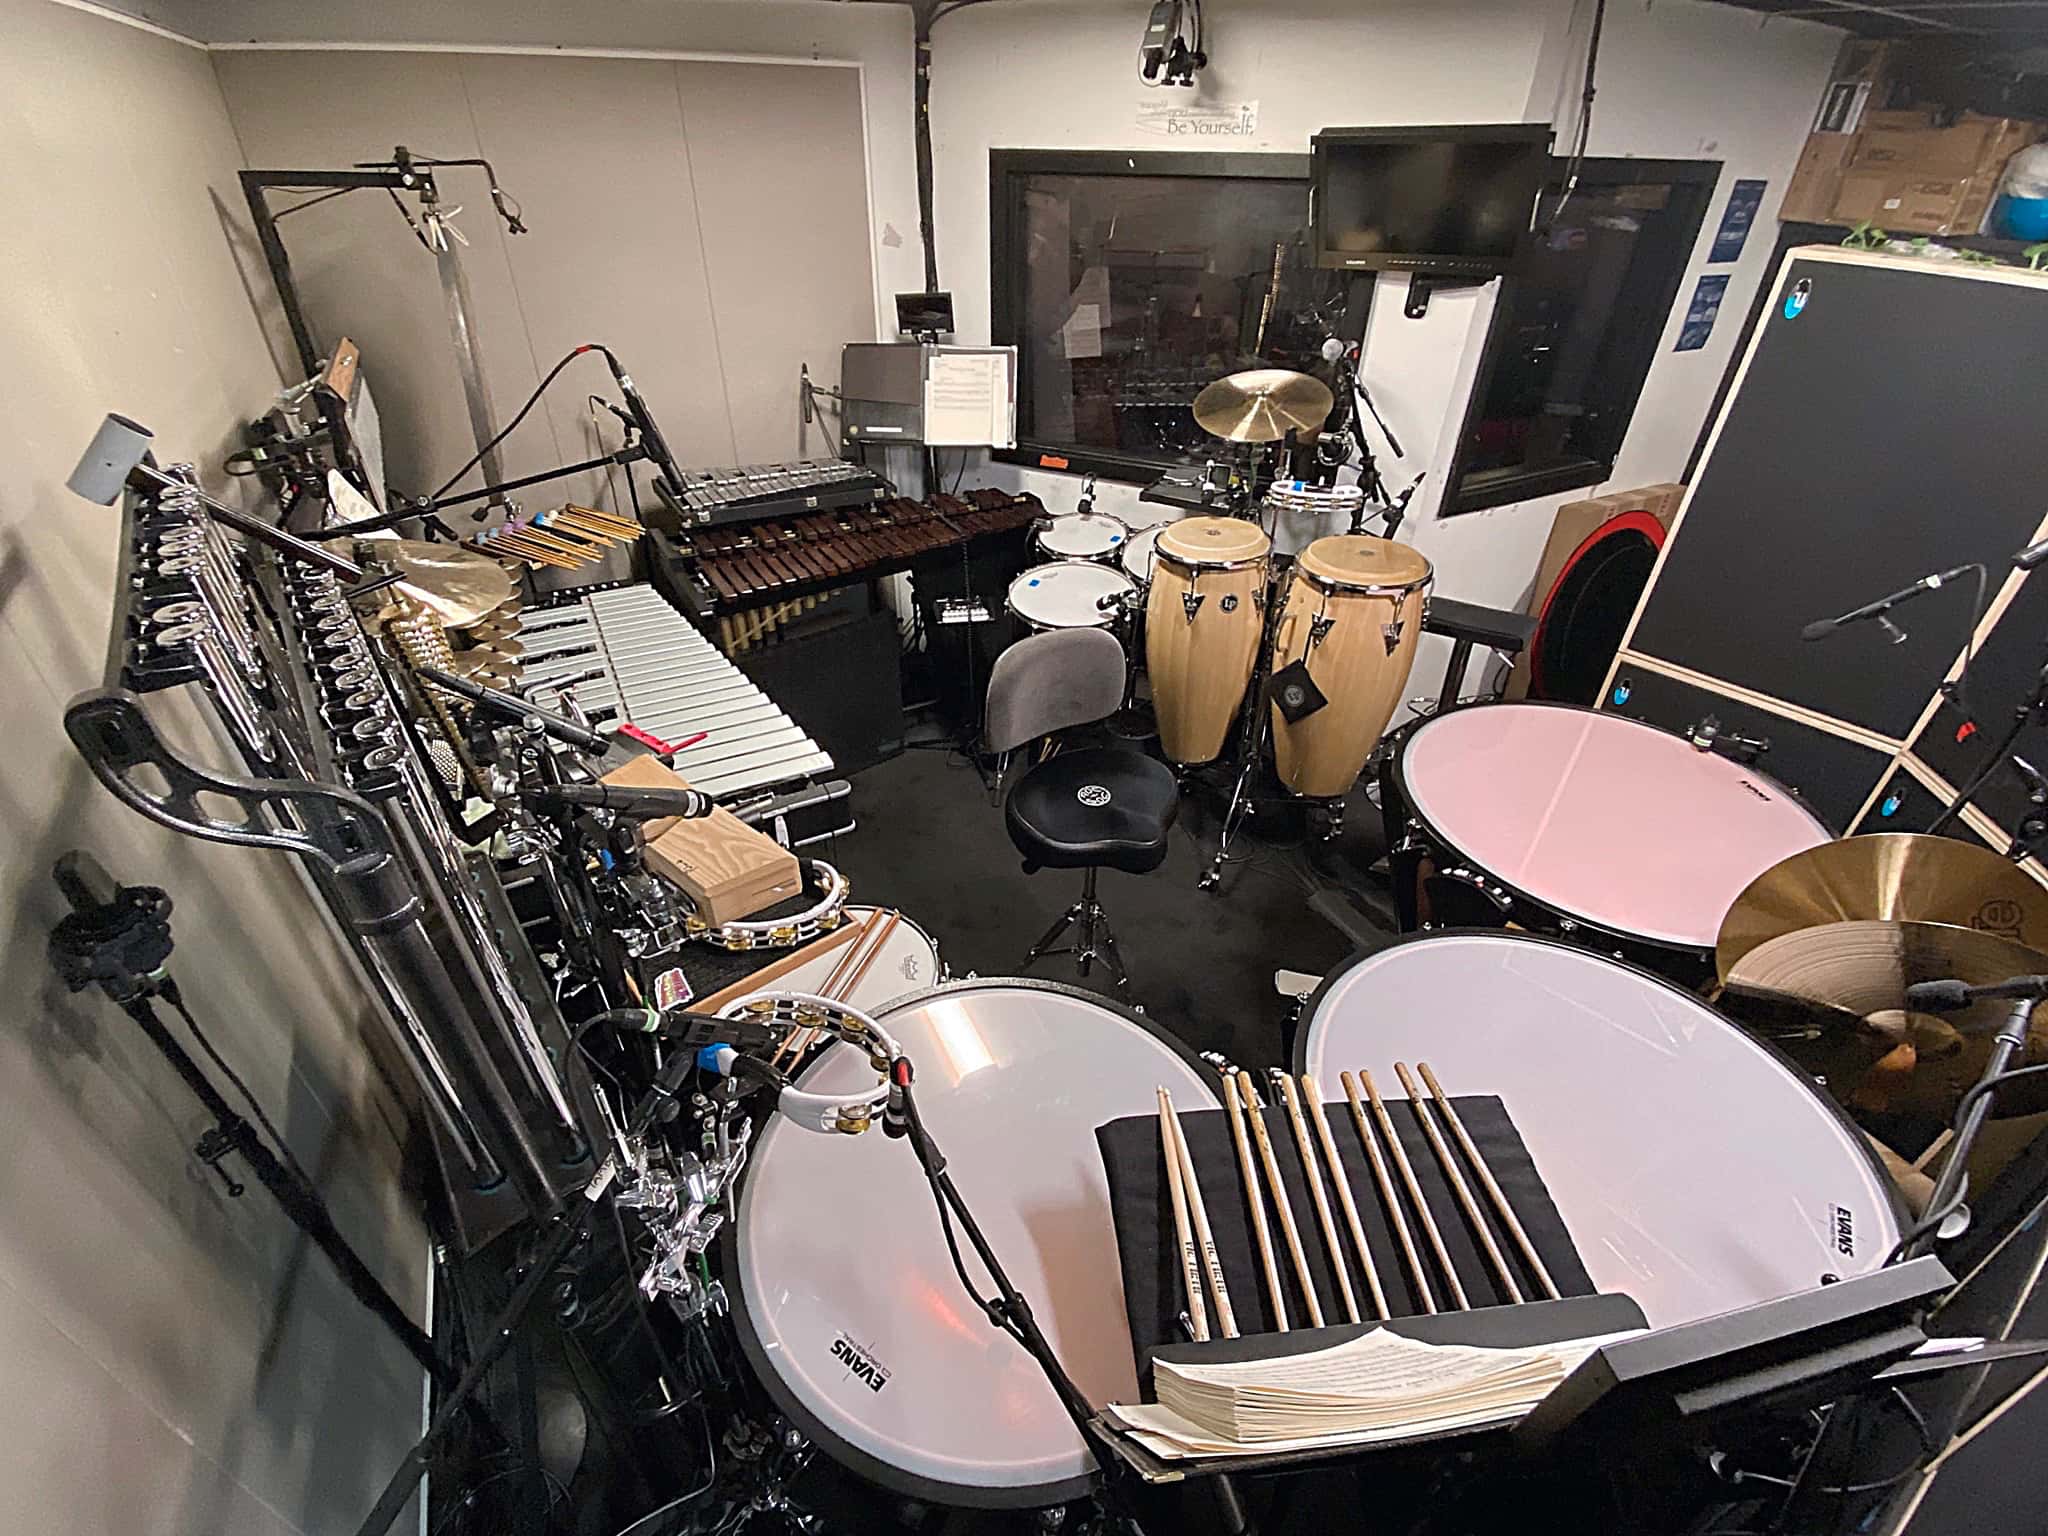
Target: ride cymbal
1890,876
1892,1059
1263,405
458,586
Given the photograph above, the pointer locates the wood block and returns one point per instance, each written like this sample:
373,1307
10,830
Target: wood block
727,868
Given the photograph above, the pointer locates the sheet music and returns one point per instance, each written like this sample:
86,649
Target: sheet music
969,398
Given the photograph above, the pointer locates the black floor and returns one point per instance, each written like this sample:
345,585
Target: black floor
930,844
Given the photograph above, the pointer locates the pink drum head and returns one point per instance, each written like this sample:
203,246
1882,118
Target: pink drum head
846,1299
1601,817
1694,1168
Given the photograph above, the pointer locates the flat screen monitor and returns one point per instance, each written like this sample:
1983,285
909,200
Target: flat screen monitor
1456,200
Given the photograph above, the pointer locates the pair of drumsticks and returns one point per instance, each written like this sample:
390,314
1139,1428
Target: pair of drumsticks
1240,1096
869,938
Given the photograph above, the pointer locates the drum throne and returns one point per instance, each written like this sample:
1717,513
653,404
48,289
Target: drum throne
1082,807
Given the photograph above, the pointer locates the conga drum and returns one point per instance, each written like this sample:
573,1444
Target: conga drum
1352,617
1203,618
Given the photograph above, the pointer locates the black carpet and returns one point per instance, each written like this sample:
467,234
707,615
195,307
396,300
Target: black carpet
930,844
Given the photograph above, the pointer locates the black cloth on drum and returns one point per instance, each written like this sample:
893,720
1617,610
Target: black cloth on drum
1094,807
1143,1212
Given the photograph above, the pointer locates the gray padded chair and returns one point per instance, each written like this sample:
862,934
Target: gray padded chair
1083,808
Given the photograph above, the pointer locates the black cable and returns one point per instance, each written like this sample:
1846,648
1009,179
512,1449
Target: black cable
284,1151
309,202
531,401
1932,1221
1585,130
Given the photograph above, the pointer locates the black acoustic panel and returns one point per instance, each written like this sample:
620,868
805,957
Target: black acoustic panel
1876,437
2002,680
1832,774
843,683
1907,805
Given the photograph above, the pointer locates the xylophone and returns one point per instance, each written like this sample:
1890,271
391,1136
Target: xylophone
726,570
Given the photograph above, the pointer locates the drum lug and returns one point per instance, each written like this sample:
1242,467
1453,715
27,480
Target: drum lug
1192,602
1320,626
1392,632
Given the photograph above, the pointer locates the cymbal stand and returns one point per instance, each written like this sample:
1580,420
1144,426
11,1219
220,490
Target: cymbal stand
1251,736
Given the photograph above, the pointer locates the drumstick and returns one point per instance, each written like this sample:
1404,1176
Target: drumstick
1314,1094
1282,1206
1459,1188
1190,1268
846,975
1317,1196
1494,1192
1388,1197
1414,1187
867,961
1198,1208
1250,1172
782,967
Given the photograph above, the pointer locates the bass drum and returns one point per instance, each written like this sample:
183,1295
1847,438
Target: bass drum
844,1296
1586,824
1695,1169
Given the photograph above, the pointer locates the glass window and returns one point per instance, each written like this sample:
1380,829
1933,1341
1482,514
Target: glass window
1129,282
1574,333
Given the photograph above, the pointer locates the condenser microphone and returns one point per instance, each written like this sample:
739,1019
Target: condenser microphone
668,480
1883,605
634,802
2031,556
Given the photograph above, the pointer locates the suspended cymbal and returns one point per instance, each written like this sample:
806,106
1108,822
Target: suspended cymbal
1263,405
458,586
1896,876
1891,1059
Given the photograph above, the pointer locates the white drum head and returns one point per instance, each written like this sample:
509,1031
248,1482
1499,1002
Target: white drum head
846,1300
1139,553
1600,817
905,962
1068,594
1083,536
1695,1170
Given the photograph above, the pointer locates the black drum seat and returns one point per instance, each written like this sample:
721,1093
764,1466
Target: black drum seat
1094,806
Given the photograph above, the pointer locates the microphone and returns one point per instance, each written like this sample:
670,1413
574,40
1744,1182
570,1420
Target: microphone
1883,605
1938,996
1333,349
668,481
516,710
2031,556
632,802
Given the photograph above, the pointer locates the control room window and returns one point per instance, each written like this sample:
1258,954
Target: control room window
1575,332
1128,282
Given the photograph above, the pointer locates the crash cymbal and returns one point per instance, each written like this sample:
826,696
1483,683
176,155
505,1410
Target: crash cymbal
1263,405
1894,876
1891,1059
458,586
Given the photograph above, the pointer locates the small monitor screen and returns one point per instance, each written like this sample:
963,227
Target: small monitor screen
1455,203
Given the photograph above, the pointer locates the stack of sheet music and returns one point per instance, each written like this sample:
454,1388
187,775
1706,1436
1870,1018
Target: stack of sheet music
1378,1386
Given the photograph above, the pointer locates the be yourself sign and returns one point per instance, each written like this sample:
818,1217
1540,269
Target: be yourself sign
1191,122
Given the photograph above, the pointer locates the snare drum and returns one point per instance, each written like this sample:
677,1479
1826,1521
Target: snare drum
1071,594
1137,554
1204,617
845,1300
1589,825
1296,513
1695,1169
1353,616
907,961
1082,536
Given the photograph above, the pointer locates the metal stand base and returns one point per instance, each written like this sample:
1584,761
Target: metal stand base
1093,942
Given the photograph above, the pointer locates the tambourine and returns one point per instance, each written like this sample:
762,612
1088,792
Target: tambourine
827,913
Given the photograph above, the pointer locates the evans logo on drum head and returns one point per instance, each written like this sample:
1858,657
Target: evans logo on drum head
1094,796
860,1365
1843,1231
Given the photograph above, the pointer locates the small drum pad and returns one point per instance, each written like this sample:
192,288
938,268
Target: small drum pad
1295,693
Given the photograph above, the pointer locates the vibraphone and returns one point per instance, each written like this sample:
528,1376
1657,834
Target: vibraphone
733,572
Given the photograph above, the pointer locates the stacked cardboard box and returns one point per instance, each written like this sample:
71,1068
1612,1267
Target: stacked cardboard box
1896,167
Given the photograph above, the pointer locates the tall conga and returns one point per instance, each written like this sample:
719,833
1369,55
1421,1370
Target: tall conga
1353,614
1203,618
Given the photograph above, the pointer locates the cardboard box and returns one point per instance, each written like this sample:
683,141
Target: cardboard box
1817,179
726,867
1865,78
1575,520
1908,204
1970,146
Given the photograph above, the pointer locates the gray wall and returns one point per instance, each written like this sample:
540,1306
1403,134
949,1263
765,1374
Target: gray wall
174,1362
706,220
